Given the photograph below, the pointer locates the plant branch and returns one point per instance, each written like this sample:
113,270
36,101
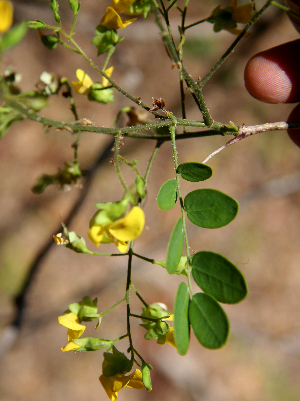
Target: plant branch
234,44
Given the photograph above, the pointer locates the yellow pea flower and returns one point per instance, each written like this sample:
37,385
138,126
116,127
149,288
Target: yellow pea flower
170,337
113,384
108,72
85,82
123,6
6,15
119,231
112,20
75,330
241,14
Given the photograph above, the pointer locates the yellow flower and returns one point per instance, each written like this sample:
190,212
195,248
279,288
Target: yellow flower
120,231
84,84
241,14
84,81
6,15
112,20
108,72
123,6
170,337
113,384
75,330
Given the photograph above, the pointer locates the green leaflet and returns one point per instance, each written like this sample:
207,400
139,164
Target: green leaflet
194,172
167,195
217,276
181,319
209,208
209,321
174,250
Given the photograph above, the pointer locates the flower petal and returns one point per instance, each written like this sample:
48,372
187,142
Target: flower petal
170,337
123,6
112,20
122,246
136,380
73,334
119,381
96,234
70,347
242,14
71,321
108,72
84,83
6,15
129,227
84,78
106,384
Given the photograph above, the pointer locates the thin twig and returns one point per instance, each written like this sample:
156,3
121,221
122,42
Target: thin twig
245,131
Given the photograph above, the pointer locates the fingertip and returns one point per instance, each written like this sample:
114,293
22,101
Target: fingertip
273,75
266,81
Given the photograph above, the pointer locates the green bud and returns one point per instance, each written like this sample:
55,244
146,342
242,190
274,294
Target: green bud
99,94
77,243
105,39
91,344
146,376
86,310
158,328
75,6
50,41
141,7
108,212
35,24
54,6
131,195
140,186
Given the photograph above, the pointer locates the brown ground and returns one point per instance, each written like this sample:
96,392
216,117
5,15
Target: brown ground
261,360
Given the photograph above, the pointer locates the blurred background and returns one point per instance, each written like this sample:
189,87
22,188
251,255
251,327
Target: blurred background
261,361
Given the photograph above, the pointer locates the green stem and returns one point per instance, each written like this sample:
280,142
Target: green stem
109,54
144,258
175,157
138,295
73,25
112,307
128,282
167,38
119,338
79,50
151,319
232,47
151,160
171,5
274,3
194,24
74,111
116,161
131,132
